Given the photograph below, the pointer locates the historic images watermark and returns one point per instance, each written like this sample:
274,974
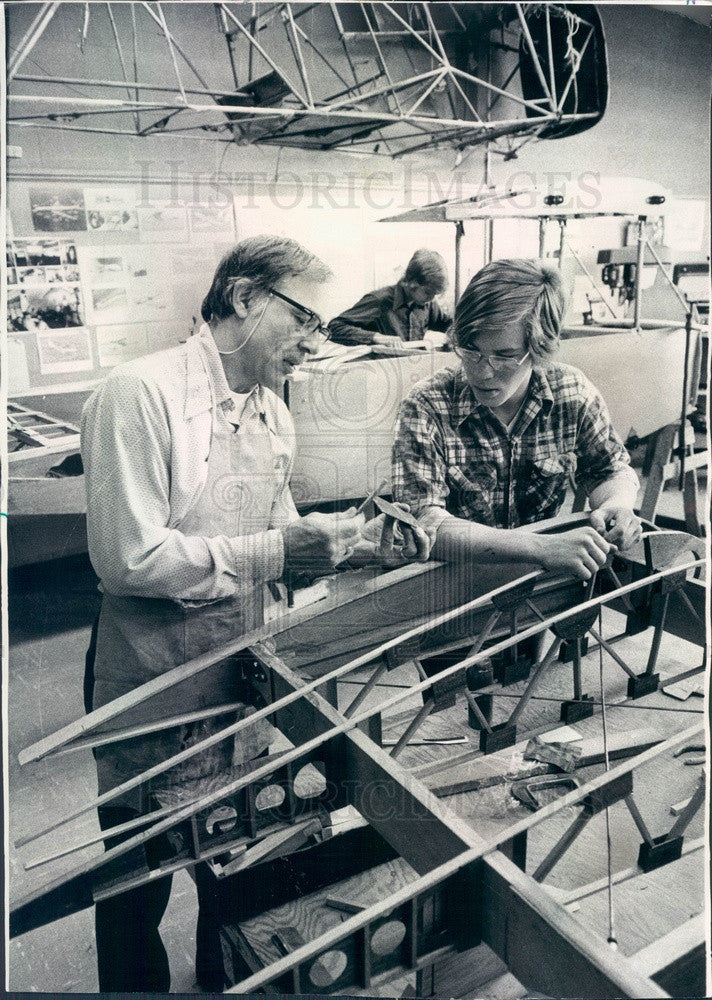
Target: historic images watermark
396,190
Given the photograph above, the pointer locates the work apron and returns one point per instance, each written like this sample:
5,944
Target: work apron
140,638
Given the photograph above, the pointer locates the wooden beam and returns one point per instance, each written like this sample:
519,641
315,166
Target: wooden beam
677,961
545,947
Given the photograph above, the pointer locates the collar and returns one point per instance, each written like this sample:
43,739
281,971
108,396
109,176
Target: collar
464,403
400,301
206,379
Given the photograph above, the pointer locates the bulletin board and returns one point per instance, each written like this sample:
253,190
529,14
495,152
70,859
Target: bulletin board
98,275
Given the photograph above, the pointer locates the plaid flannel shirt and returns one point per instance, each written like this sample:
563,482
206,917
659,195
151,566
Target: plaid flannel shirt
452,455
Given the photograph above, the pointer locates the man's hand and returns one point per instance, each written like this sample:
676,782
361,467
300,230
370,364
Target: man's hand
319,542
581,552
391,543
618,525
401,543
388,340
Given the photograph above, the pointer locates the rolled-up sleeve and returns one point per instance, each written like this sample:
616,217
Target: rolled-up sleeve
601,455
419,464
126,451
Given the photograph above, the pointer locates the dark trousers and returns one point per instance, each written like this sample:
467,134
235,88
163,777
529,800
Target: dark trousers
131,957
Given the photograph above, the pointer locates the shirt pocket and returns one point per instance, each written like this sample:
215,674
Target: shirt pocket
472,495
547,477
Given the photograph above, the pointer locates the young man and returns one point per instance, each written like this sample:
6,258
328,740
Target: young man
491,444
187,456
401,312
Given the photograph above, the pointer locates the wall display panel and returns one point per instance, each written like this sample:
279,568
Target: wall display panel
127,265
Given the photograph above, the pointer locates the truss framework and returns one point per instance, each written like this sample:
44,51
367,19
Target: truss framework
388,77
231,825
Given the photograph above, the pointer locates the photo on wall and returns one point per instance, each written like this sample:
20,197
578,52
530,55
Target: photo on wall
110,209
108,305
104,267
57,209
119,343
217,221
163,223
62,351
44,307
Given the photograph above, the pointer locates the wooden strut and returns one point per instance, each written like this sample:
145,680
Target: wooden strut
347,726
274,707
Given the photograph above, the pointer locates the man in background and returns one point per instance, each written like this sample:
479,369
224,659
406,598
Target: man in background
401,312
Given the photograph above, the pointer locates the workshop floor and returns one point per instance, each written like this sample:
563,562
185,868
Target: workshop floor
51,610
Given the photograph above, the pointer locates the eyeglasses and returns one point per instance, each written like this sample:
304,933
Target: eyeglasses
311,321
496,364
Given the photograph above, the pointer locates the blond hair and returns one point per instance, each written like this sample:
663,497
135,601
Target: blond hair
510,291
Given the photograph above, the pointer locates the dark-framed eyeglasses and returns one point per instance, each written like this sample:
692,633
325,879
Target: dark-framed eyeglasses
475,357
311,322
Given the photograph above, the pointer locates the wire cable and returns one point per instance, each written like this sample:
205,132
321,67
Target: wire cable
247,339
612,940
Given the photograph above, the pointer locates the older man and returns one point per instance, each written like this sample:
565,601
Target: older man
401,312
187,456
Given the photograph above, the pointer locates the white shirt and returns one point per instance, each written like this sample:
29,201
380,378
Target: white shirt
145,436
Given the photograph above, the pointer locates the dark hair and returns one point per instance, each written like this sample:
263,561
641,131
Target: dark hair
427,268
508,291
264,260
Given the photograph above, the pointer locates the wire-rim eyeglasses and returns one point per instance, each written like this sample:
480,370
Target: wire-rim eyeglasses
476,357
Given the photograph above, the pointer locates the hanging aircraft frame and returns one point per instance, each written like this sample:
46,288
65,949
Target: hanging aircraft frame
388,77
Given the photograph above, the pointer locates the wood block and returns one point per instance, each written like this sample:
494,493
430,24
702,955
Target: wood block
499,738
642,685
574,711
661,852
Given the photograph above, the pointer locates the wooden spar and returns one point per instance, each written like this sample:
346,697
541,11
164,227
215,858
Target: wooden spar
190,669
112,736
346,726
328,733
81,727
94,719
31,752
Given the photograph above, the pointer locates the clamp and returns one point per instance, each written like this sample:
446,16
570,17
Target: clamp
524,791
